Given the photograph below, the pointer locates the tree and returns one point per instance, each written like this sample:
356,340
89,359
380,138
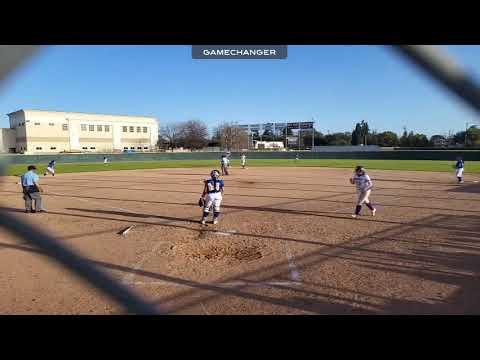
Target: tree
387,138
339,138
473,136
171,134
437,140
194,134
357,135
232,137
318,140
404,138
268,135
364,129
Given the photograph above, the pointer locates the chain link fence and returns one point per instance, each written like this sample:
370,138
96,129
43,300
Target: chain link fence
427,58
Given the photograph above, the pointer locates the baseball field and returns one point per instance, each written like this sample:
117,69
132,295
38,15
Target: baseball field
285,244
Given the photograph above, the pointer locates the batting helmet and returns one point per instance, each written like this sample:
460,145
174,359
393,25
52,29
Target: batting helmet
215,174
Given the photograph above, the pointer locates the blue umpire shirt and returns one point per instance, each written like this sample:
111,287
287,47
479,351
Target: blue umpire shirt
29,178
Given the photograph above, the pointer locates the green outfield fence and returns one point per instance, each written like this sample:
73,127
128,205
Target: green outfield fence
467,155
441,69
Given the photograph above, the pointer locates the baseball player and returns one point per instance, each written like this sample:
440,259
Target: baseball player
225,164
459,166
364,187
105,160
297,157
243,160
212,195
50,168
31,191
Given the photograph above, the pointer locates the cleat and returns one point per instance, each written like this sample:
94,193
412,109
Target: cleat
374,211
203,222
215,222
354,216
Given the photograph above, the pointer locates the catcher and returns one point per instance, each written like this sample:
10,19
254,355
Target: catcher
212,195
364,187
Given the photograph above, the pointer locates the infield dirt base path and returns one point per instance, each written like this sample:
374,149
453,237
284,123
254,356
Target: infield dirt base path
286,243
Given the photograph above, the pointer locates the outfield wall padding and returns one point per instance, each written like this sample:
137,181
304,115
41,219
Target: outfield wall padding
381,155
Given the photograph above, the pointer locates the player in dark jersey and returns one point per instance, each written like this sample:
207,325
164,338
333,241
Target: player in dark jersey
213,195
50,168
459,167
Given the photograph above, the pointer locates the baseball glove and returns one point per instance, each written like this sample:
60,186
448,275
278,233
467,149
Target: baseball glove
201,202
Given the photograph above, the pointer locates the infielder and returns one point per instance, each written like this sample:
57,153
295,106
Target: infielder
243,160
212,195
105,160
50,168
31,191
459,166
364,187
224,163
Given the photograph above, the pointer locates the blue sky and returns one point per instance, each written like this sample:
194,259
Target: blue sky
338,85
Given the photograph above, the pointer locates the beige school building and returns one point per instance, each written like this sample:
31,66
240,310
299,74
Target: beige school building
39,131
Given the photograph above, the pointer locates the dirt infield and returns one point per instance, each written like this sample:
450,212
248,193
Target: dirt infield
286,243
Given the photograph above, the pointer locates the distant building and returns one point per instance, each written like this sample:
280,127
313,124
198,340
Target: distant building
38,131
271,145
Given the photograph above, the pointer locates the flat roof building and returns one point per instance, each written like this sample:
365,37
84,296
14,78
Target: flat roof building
39,131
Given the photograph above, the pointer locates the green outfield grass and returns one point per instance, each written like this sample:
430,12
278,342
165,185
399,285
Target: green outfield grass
407,165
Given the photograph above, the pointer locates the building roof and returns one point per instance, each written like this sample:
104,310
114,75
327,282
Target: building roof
77,112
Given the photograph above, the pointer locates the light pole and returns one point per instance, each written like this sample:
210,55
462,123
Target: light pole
466,129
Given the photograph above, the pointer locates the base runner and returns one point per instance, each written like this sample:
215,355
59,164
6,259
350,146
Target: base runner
364,186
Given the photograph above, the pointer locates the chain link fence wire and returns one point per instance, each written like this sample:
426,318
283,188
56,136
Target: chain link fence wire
11,57
428,58
443,69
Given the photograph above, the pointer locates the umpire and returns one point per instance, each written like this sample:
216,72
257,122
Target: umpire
31,191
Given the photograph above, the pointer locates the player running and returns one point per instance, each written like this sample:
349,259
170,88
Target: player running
225,163
50,168
105,160
459,166
364,187
212,195
243,160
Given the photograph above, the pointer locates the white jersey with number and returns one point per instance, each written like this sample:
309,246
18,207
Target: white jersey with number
363,182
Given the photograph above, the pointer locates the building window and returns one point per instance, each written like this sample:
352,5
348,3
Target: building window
139,129
51,124
84,148
145,148
139,148
53,148
92,148
38,148
99,128
107,128
124,128
132,129
145,129
132,148
125,148
37,123
65,127
91,127
83,127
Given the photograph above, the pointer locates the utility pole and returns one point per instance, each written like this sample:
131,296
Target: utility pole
466,129
313,133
